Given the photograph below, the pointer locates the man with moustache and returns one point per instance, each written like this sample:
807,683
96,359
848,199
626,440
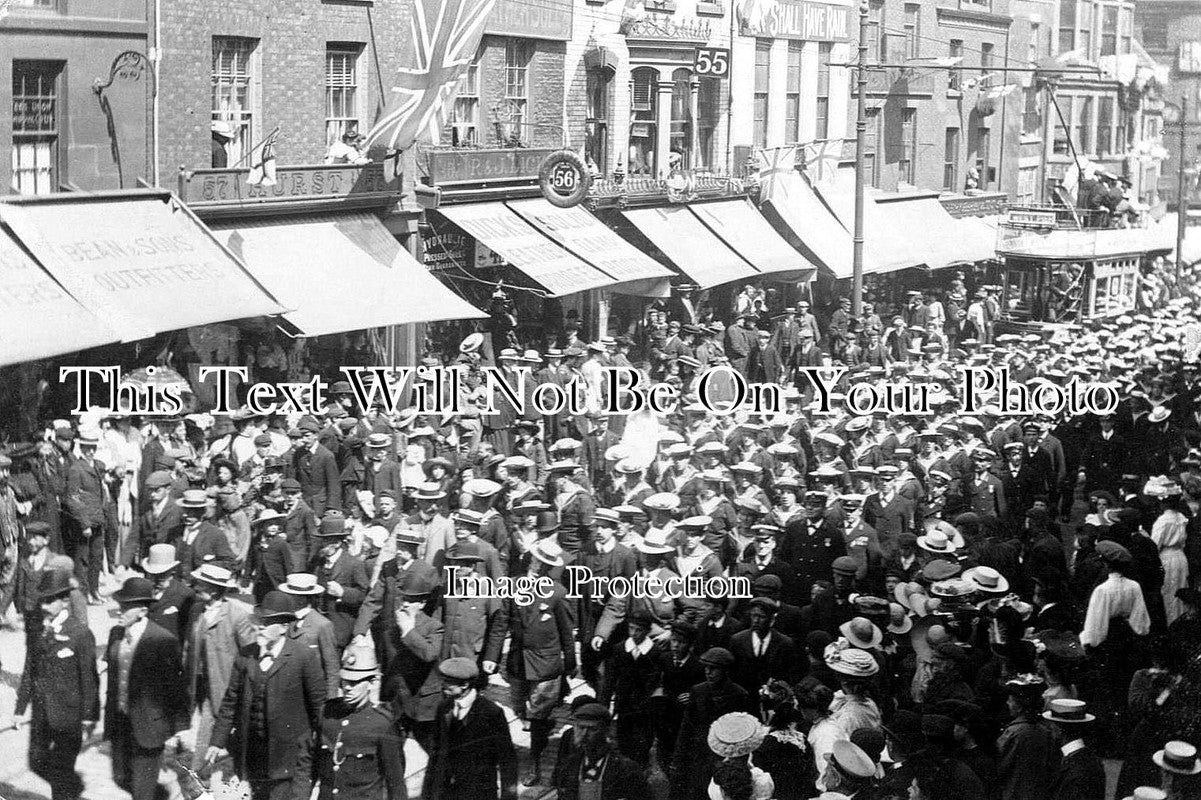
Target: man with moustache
146,704
272,708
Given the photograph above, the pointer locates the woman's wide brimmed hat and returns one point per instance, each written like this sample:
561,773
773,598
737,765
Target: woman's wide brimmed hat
851,661
736,734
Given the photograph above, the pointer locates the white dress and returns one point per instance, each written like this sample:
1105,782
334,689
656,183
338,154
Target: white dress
1169,534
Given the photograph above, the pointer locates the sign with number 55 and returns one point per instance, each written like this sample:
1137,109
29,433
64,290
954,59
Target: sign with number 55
712,61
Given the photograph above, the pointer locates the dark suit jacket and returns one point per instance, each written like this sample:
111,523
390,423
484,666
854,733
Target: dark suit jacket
295,694
621,779
274,564
60,677
468,755
162,529
320,481
1081,776
781,661
350,573
411,682
85,497
211,541
543,641
174,609
158,704
315,632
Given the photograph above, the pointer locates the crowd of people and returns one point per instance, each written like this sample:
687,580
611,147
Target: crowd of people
931,614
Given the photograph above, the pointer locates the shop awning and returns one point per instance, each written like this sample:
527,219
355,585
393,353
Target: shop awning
38,319
743,228
932,234
817,232
138,260
341,272
526,248
888,246
693,248
596,243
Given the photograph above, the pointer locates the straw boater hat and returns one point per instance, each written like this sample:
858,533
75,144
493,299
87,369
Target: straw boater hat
215,576
1067,711
941,539
301,584
548,552
1148,793
850,759
860,632
1179,758
656,542
736,734
986,579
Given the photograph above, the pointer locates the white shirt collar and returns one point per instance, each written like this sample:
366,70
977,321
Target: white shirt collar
59,620
134,632
1074,746
464,703
758,642
602,547
638,650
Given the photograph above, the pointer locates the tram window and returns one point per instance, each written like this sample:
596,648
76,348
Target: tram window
1017,296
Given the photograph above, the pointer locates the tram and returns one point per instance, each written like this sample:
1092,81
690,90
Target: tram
1063,267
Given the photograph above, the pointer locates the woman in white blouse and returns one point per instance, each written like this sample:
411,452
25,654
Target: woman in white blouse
1169,534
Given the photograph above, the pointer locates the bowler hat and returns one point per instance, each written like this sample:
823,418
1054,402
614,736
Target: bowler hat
592,712
333,526
276,607
160,559
53,583
135,590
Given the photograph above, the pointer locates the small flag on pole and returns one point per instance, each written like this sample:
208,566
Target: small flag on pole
262,161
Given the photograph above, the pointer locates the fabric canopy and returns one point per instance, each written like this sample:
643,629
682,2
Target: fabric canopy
38,319
888,245
341,272
137,260
526,248
691,246
739,225
818,232
933,235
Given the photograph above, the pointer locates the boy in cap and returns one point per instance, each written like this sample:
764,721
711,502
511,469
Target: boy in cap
146,703
316,469
359,754
692,764
472,746
300,524
272,708
60,687
162,522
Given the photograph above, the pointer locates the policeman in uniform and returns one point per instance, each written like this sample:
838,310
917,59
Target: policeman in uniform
61,683
811,545
361,755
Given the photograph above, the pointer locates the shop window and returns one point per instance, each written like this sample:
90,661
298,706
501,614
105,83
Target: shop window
35,121
644,93
596,125
235,82
342,111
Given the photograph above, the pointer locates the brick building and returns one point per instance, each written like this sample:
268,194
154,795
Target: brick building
315,69
936,128
1170,31
50,55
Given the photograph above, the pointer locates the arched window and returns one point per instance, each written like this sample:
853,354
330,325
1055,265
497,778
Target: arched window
681,119
643,113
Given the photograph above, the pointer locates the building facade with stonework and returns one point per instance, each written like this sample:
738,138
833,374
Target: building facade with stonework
61,136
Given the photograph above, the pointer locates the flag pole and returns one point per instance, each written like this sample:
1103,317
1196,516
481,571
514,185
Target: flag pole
860,141
257,144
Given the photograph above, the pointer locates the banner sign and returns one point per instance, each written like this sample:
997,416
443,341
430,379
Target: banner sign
531,19
794,19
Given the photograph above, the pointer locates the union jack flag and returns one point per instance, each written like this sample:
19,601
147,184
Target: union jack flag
821,159
775,163
445,35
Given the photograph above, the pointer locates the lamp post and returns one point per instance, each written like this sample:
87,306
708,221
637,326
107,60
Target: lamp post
860,137
1181,195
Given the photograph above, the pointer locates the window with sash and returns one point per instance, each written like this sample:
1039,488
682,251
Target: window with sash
644,113
792,93
762,71
341,91
906,165
955,51
1109,30
822,128
233,81
465,113
950,160
913,34
518,55
35,126
1067,25
596,124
